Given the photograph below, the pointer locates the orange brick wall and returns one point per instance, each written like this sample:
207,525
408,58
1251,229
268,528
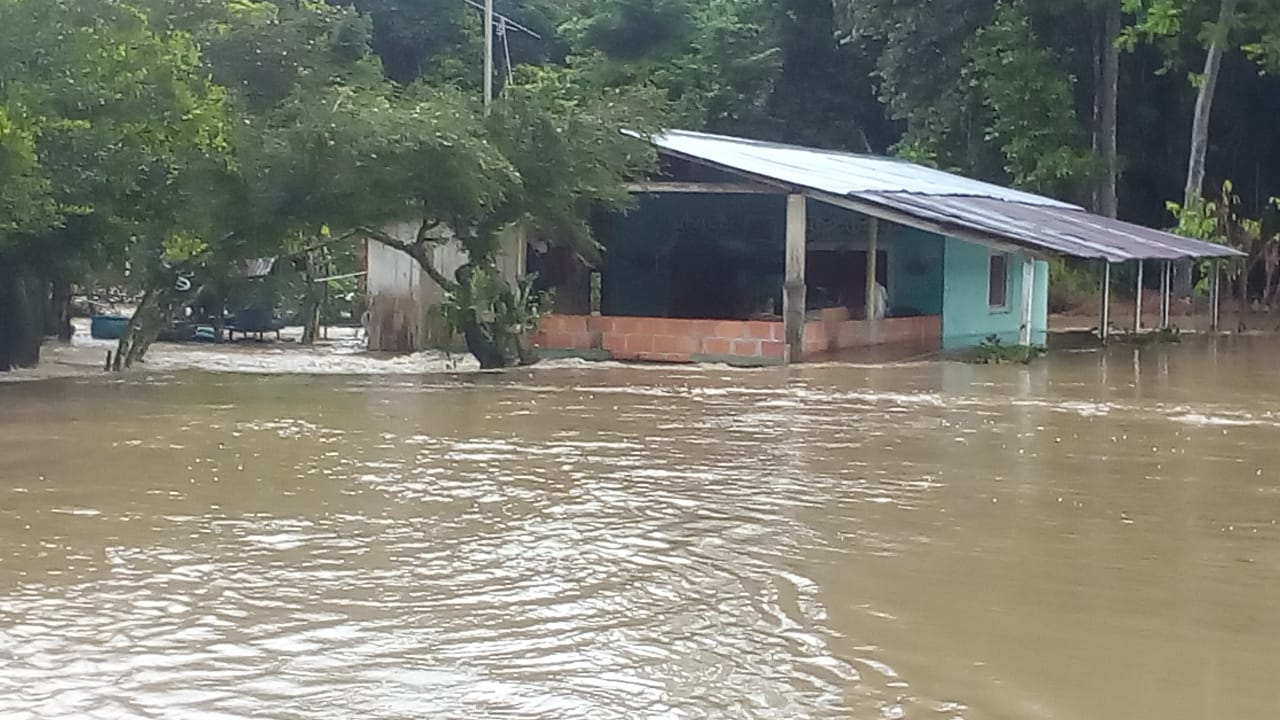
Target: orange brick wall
675,340
834,331
664,339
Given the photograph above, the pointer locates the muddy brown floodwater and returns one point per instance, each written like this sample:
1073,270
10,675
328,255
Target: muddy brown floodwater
1093,537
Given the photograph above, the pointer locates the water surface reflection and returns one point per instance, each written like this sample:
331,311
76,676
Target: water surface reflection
1091,537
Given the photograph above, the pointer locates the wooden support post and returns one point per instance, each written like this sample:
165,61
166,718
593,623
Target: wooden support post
1028,286
1105,328
1215,295
1166,275
873,243
1137,302
793,289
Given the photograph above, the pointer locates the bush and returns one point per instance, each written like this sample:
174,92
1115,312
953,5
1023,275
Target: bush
1072,288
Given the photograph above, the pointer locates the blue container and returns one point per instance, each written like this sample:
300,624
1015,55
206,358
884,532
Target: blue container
108,327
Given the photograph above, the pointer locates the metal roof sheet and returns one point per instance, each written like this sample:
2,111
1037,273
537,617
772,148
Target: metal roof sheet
1061,231
835,172
940,198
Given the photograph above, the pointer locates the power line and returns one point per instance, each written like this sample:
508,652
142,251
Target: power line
501,20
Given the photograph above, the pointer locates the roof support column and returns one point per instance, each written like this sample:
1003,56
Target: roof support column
1166,273
1028,285
873,242
1104,328
1137,301
793,288
1215,295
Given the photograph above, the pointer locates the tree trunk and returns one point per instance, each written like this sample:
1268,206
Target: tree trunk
58,318
1242,287
1204,100
1108,109
488,351
153,314
22,308
310,302
219,319
1194,188
1269,267
1095,119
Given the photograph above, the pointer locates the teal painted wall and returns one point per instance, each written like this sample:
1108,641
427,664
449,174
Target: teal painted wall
915,283
967,318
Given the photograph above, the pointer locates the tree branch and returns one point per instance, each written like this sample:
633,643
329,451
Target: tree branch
415,250
424,232
321,245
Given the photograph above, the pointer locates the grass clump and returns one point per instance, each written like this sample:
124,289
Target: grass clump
993,351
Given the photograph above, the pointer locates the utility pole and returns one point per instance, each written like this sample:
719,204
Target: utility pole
488,55
507,23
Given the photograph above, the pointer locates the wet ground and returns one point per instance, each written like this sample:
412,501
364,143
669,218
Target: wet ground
334,535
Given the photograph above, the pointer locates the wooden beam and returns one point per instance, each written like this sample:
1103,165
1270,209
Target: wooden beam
697,188
793,288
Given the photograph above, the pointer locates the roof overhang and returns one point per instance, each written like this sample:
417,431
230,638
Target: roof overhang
968,210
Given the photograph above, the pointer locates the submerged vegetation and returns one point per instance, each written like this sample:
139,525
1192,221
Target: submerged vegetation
993,351
1159,336
165,142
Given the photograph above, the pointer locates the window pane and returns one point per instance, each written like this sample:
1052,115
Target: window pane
998,282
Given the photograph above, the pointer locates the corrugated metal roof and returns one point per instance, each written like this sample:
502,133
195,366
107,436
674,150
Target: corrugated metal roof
955,203
1064,231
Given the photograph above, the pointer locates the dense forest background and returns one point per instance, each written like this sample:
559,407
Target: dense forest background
162,137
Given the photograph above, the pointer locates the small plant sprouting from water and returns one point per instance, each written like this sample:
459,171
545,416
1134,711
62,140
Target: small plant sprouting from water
993,351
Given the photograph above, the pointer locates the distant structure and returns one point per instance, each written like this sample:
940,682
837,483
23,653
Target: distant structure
404,305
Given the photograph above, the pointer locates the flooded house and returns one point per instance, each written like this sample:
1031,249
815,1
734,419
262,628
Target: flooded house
756,253
752,252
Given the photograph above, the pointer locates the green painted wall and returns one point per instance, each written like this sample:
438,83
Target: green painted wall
967,318
915,283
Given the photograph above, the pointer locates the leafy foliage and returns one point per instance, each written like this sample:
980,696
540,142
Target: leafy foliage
126,125
496,317
564,143
717,70
26,201
1029,99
